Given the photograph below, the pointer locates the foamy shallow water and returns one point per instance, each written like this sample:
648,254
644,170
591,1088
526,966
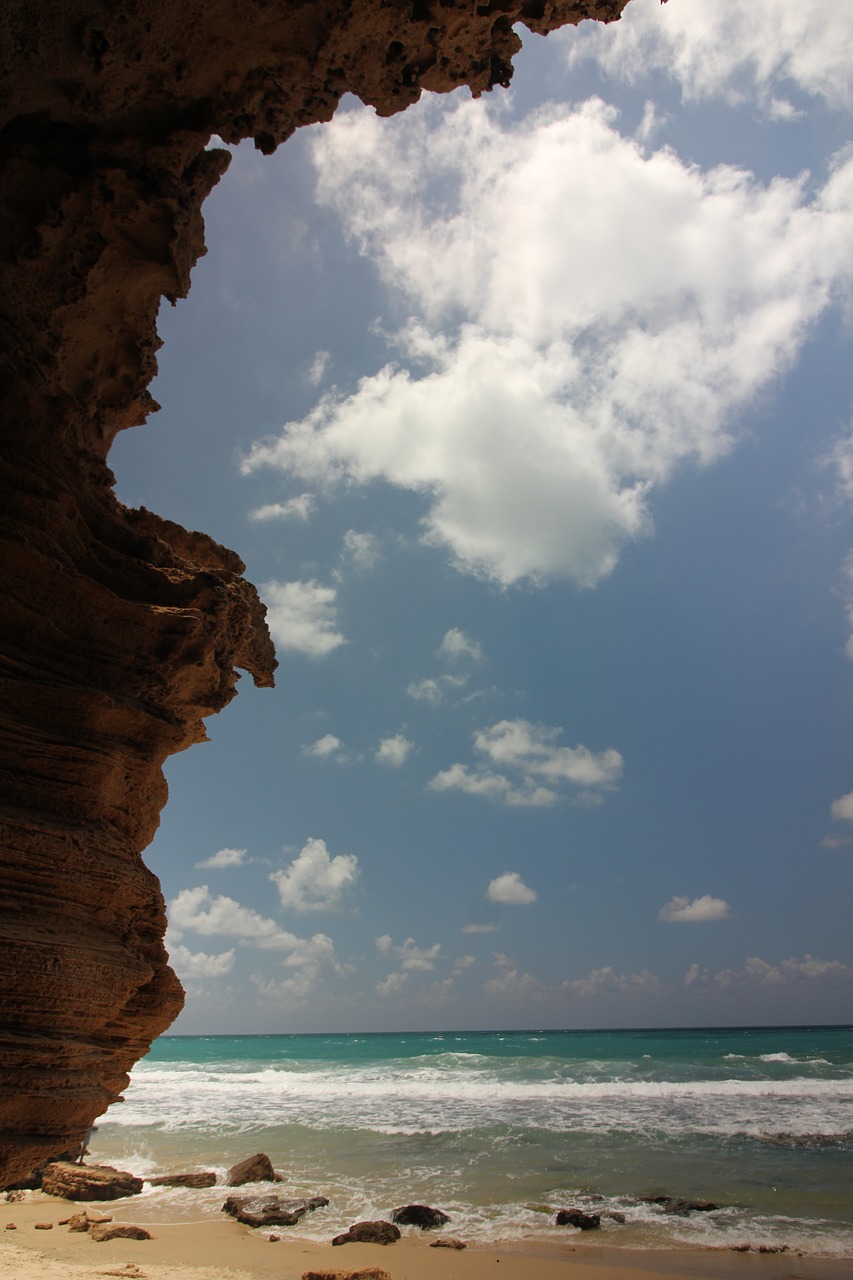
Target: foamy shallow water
498,1128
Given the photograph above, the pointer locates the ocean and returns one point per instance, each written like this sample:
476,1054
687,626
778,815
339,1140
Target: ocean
500,1129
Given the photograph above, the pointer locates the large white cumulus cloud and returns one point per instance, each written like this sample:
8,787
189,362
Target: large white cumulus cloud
586,317
730,48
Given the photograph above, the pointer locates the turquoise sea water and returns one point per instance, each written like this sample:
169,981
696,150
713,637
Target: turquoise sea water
495,1127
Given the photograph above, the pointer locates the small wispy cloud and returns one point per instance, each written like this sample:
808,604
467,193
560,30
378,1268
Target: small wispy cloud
302,507
456,645
700,909
224,858
324,747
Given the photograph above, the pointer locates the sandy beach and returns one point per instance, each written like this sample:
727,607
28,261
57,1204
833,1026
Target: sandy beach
214,1250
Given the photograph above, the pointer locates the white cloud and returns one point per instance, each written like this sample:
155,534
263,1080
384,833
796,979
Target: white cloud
314,881
480,928
760,974
194,966
302,617
392,984
842,808
530,751
223,858
729,48
704,908
456,645
361,549
298,508
434,691
196,911
511,890
319,364
324,747
511,984
606,981
410,955
393,751
544,392
309,964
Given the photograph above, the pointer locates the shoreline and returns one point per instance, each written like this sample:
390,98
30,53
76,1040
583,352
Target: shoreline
226,1250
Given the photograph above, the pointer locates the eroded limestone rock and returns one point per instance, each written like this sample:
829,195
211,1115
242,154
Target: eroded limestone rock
120,630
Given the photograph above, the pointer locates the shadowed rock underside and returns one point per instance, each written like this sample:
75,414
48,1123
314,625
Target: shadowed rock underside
120,630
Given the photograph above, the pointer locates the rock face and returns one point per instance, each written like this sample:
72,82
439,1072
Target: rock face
120,630
577,1218
89,1182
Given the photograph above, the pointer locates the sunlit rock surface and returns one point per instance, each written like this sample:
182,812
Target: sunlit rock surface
120,630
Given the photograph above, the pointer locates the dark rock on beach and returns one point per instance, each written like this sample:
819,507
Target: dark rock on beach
679,1207
271,1211
419,1215
89,1182
257,1168
377,1232
448,1242
196,1181
578,1218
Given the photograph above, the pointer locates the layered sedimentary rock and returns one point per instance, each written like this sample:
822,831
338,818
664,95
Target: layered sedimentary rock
120,630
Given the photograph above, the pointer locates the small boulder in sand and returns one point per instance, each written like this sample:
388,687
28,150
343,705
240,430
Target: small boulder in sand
118,1231
10,1226
43,1226
257,1168
375,1232
448,1242
419,1215
89,1182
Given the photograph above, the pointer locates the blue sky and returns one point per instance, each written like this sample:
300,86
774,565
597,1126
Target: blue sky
532,418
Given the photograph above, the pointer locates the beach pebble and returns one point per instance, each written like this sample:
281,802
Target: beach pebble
43,1226
257,1168
376,1232
273,1239
448,1242
10,1226
118,1231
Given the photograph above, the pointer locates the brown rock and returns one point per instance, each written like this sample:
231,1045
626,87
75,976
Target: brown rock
256,1168
10,1226
120,631
375,1232
43,1226
196,1181
77,1222
89,1182
119,1231
448,1242
271,1211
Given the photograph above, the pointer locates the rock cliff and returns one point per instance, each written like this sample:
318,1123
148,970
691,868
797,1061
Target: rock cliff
120,630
